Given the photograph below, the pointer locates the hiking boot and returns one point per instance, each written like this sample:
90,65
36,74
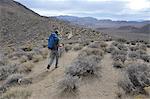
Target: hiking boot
48,66
56,66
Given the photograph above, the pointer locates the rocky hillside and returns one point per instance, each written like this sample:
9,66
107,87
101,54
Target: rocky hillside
20,25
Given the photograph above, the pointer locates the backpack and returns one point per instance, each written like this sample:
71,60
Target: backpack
52,41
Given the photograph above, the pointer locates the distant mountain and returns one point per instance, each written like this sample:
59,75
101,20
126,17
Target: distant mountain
106,23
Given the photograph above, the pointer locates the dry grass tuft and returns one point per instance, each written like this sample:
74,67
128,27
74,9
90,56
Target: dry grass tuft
136,78
16,93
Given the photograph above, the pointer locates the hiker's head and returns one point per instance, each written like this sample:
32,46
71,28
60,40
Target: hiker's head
56,32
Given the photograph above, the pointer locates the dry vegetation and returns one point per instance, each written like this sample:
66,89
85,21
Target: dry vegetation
86,64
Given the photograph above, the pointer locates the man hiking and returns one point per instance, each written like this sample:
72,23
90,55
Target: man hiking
53,44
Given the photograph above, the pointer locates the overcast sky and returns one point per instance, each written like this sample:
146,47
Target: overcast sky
101,9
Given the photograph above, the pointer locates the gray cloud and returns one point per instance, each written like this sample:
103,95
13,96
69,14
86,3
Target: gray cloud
113,9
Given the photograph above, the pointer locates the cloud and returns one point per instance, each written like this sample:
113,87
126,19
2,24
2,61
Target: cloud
113,9
138,4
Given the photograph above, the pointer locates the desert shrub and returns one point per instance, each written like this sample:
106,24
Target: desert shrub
122,47
98,45
148,45
133,42
121,40
115,43
141,52
84,66
119,52
69,83
136,78
108,39
30,55
68,48
18,93
91,51
134,55
77,47
7,70
143,47
3,61
26,49
44,52
118,64
23,59
25,67
37,58
134,48
110,49
12,80
17,54
122,58
85,43
145,57
94,45
103,44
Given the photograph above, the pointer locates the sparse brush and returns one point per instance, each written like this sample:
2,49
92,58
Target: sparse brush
122,40
37,58
26,67
148,45
136,78
7,70
133,42
122,58
23,59
3,61
118,52
115,43
91,51
94,45
134,55
77,47
30,55
17,54
141,52
69,84
27,47
85,43
84,66
134,48
12,80
122,47
44,52
16,93
143,47
98,45
145,57
118,64
68,48
110,49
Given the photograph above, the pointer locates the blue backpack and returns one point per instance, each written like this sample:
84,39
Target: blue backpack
53,39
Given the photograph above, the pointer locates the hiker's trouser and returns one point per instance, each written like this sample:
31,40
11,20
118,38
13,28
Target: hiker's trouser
53,56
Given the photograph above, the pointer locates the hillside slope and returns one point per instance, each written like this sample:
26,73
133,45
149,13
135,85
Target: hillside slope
18,24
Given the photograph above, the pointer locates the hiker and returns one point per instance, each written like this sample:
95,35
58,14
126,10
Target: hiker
53,44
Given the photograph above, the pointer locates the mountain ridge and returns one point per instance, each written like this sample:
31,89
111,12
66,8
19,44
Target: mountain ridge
102,23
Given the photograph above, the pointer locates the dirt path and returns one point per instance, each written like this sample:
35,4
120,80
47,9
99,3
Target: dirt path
45,82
